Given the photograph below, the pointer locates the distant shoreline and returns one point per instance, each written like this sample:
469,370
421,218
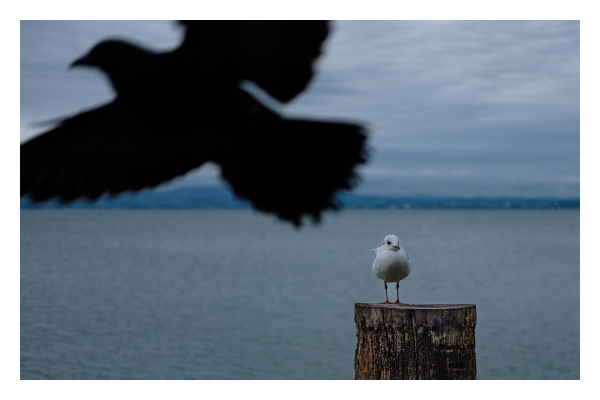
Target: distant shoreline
214,197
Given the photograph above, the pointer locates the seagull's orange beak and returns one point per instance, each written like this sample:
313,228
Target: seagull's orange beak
397,247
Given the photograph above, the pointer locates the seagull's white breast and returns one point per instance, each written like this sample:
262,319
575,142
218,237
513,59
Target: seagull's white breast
391,265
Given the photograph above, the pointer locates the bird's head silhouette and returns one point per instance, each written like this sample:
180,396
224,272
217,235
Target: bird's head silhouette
111,53
118,59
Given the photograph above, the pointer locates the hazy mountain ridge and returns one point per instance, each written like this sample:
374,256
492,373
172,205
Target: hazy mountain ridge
223,198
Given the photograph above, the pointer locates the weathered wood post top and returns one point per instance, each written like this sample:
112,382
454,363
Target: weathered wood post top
421,341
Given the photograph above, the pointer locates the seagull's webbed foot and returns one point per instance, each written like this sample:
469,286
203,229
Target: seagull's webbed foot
398,302
386,302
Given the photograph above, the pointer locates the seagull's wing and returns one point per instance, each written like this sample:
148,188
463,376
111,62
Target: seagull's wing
277,55
294,168
100,151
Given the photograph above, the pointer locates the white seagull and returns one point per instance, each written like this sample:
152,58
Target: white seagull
391,264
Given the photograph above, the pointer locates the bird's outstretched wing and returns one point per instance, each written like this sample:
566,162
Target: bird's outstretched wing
100,151
277,55
293,168
176,110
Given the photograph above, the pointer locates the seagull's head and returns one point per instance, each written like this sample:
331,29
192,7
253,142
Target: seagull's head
391,242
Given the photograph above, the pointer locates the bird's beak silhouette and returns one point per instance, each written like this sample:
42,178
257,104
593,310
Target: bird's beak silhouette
397,247
75,63
85,60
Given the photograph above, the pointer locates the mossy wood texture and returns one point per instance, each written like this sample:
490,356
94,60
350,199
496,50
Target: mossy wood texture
415,341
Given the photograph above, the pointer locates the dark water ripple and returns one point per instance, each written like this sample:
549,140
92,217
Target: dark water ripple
201,294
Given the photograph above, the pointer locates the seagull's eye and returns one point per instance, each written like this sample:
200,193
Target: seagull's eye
388,242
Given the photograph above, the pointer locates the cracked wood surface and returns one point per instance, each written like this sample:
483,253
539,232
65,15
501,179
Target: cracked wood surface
434,341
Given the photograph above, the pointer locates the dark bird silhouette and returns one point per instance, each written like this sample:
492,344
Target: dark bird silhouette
175,111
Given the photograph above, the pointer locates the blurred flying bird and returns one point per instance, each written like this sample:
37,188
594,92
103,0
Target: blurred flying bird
391,264
174,111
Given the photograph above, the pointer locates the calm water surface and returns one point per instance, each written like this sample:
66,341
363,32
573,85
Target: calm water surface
221,294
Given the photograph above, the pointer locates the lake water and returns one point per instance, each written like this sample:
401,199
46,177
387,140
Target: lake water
232,294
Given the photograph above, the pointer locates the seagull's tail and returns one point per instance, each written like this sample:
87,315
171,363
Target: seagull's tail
294,168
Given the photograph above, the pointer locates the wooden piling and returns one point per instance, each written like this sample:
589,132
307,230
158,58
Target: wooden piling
415,341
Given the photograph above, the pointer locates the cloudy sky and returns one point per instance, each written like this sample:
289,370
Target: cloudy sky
465,108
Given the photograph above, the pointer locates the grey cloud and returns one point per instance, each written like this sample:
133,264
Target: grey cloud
484,106
497,97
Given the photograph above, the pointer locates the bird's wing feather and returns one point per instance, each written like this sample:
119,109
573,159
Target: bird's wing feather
294,167
277,55
100,151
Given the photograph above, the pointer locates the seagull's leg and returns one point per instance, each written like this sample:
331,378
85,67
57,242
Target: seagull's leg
397,295
386,299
